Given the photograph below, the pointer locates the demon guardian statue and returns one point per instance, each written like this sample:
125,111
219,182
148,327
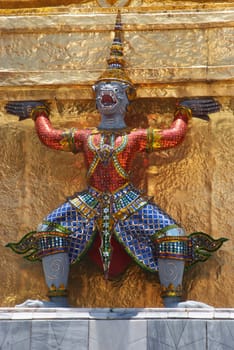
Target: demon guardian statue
111,211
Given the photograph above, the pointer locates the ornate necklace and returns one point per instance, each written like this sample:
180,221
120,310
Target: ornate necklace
106,152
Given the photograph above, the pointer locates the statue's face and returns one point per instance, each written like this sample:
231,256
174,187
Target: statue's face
111,97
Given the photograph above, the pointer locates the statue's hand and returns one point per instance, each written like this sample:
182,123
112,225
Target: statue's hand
201,107
25,109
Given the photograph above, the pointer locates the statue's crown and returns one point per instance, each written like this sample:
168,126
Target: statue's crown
116,63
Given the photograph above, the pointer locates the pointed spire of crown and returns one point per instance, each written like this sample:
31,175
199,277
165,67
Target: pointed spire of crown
116,59
116,63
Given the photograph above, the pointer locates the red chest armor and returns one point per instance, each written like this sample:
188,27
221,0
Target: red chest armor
109,157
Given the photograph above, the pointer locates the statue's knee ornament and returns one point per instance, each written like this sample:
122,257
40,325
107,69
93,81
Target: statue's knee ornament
172,253
51,243
53,250
175,251
174,247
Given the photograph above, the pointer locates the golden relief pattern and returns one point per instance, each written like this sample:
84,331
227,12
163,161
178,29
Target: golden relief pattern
53,175
113,4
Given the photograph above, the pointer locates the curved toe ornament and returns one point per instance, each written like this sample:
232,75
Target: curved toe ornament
26,246
203,246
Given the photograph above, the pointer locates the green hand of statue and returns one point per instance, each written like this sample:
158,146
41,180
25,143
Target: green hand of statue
26,109
201,107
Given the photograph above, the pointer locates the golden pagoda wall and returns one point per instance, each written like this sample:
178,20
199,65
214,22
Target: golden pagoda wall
55,51
57,54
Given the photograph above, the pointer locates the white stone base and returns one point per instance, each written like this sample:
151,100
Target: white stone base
116,329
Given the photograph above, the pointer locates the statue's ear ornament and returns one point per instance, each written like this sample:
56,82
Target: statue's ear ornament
116,63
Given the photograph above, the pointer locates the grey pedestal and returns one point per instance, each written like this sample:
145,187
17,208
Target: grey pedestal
116,329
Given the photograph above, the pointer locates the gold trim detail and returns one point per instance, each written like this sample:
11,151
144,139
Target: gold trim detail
171,291
61,291
184,111
153,139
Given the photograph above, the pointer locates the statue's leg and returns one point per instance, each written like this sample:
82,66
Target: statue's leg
52,248
173,250
64,232
172,254
56,272
55,262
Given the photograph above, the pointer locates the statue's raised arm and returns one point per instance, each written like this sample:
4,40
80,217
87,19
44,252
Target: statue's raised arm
175,134
64,140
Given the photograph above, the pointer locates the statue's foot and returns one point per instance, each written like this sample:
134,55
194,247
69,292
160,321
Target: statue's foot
29,303
194,304
32,303
175,302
